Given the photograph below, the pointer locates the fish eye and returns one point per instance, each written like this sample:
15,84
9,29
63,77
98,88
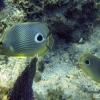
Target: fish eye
87,62
39,38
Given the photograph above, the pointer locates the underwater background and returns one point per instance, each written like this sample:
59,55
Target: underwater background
71,69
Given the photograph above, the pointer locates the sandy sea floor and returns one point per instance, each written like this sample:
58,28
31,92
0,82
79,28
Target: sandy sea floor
61,79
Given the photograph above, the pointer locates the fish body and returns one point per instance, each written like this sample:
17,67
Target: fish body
26,39
90,64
